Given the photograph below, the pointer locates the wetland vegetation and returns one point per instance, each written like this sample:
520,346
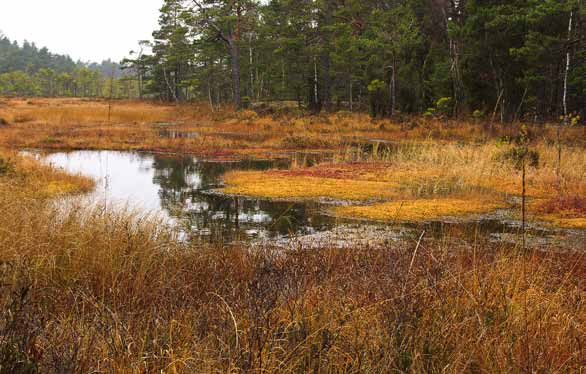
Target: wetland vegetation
102,288
295,186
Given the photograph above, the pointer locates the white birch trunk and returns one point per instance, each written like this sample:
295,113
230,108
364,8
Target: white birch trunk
567,66
315,81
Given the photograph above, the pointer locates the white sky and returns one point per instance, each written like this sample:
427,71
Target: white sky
90,30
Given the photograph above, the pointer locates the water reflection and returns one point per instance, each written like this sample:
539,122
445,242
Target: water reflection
182,188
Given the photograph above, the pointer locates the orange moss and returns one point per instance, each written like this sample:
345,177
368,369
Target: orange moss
420,210
279,186
565,211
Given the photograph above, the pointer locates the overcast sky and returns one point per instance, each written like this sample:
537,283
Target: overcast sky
90,30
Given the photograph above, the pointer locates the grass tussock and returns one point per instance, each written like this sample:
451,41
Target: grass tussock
415,160
42,181
283,186
565,211
432,180
419,210
99,291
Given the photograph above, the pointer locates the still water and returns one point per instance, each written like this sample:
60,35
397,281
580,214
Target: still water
183,190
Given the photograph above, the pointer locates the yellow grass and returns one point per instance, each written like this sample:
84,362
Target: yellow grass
433,180
83,124
558,220
29,176
419,210
259,184
94,290
433,161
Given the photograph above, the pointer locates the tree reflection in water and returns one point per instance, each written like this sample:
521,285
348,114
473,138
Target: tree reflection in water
184,189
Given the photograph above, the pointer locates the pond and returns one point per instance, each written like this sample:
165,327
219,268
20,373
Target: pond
183,189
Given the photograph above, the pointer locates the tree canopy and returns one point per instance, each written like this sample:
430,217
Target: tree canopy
26,70
507,59
498,57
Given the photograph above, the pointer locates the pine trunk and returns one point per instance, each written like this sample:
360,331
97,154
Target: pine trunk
235,57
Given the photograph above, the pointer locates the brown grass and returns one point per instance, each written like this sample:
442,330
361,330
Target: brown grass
431,180
99,291
83,124
94,290
563,210
29,176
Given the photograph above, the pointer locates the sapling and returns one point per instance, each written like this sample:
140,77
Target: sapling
522,156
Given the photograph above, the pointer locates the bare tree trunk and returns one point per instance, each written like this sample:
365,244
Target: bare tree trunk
140,82
211,86
235,57
110,97
326,89
351,97
315,99
565,98
498,101
250,52
171,90
283,79
567,72
393,88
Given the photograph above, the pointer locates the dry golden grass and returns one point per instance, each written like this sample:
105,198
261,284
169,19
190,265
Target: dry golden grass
430,180
259,184
433,160
28,175
91,290
95,290
83,124
420,209
568,210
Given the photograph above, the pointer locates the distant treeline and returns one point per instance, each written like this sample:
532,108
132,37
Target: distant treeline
26,70
504,58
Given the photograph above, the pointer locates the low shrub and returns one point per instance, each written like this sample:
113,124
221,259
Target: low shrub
23,118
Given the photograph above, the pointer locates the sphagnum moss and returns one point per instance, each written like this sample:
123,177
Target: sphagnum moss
439,180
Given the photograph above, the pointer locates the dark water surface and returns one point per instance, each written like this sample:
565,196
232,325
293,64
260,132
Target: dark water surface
183,189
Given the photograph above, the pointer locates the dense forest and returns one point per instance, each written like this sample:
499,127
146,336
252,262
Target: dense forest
26,70
505,58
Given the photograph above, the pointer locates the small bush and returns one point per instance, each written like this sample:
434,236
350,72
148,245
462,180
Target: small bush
564,204
445,105
246,102
293,141
247,116
478,115
516,156
22,118
430,112
3,122
378,92
6,166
